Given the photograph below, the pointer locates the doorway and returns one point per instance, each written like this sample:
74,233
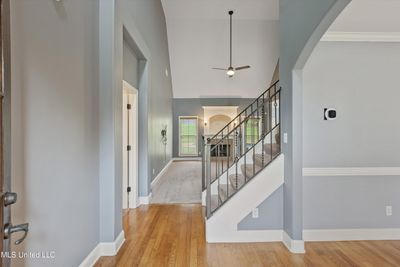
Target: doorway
129,147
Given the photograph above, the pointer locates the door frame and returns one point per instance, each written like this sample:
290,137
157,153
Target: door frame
133,197
5,135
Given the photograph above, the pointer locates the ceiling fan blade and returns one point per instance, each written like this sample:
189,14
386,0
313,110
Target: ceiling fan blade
243,67
219,69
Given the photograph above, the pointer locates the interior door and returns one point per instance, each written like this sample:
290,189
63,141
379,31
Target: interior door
7,198
130,145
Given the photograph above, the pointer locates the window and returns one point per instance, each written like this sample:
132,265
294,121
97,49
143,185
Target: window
252,132
188,136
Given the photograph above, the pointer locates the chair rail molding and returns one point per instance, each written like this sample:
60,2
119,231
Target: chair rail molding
352,171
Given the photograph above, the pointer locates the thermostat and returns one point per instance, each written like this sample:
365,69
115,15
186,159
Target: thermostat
329,114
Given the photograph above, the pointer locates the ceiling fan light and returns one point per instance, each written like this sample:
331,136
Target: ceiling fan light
230,72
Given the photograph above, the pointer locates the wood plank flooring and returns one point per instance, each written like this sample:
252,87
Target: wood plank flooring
173,235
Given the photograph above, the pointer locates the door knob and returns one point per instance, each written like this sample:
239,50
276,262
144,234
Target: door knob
10,198
10,229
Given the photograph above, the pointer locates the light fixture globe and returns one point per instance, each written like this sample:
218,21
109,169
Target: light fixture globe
230,72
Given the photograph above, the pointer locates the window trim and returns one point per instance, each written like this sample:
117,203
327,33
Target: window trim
197,136
259,130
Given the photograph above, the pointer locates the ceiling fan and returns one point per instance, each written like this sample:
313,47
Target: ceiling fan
230,71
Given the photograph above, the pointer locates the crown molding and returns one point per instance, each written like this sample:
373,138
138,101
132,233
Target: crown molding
388,37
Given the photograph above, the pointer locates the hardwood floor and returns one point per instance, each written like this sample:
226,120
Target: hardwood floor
173,235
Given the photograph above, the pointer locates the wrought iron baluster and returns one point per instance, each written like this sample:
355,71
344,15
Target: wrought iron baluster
208,179
218,185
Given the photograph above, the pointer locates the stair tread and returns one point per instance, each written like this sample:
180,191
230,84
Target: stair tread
236,183
223,188
258,159
214,202
276,148
248,170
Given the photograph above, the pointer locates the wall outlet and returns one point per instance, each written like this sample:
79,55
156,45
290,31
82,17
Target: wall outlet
285,138
389,211
154,171
254,213
166,72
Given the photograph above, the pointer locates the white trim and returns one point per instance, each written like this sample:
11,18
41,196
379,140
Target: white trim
294,246
356,171
389,37
352,234
129,90
145,200
161,172
197,135
104,249
187,159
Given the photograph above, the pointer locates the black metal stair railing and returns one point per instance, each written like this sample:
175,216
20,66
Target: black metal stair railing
240,150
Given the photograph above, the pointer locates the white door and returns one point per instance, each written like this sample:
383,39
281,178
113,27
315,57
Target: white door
130,147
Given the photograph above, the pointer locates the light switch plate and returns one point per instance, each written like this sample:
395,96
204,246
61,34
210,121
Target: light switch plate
389,211
254,213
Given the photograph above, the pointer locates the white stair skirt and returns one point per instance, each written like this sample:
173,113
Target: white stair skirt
222,226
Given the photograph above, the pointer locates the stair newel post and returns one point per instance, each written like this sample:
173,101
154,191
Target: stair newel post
207,155
237,156
203,165
227,159
262,128
245,148
263,115
240,138
279,118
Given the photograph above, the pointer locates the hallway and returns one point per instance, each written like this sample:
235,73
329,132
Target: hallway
181,183
173,235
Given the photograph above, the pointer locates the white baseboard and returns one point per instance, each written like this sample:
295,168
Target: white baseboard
294,246
161,172
203,198
104,249
145,200
351,234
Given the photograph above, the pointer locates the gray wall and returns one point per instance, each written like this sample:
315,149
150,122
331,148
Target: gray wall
55,128
302,23
351,202
149,19
270,213
66,173
131,64
144,23
194,107
361,81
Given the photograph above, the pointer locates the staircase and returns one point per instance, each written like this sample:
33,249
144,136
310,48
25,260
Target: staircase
241,151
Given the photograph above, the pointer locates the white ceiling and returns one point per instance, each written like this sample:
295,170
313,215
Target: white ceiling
218,9
198,39
369,16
